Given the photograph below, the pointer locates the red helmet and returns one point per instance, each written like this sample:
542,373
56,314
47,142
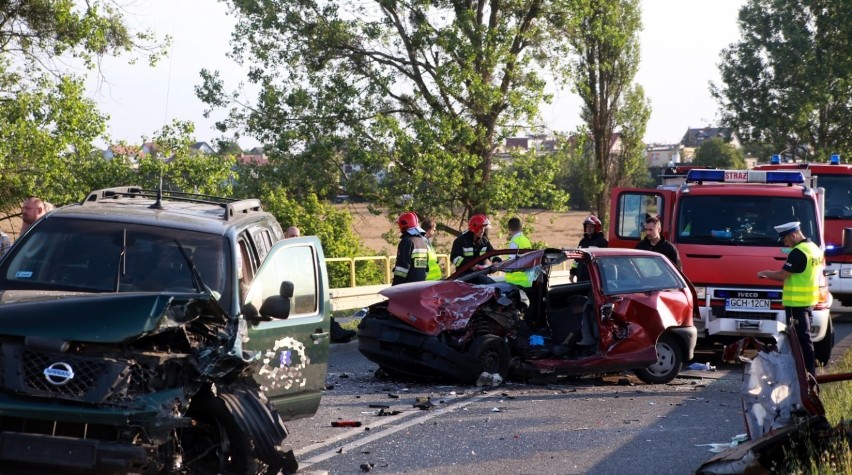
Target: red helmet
407,220
477,223
592,219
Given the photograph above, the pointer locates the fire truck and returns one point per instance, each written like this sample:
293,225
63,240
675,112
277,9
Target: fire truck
836,179
722,224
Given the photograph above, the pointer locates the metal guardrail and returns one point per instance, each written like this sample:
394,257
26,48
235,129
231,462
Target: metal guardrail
350,298
388,264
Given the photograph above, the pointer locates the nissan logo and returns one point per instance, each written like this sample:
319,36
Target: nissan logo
58,374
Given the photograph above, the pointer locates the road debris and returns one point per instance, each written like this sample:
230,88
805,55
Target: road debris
345,423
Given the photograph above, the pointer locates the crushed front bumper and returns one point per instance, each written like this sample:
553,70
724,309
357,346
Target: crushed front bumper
402,349
87,455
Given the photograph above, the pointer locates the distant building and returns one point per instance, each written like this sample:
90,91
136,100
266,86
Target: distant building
540,143
202,147
133,152
693,138
663,155
255,156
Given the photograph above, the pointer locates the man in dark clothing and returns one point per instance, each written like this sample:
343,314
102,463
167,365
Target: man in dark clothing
654,241
412,254
592,237
472,244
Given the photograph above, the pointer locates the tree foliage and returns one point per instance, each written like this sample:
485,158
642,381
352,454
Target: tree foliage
417,95
604,35
313,217
788,80
47,125
44,130
715,152
37,34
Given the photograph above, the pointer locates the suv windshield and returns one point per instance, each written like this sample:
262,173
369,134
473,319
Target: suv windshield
742,220
86,255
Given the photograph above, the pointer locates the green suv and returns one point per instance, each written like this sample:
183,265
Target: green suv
158,332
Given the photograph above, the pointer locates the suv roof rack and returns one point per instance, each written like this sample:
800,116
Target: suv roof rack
232,206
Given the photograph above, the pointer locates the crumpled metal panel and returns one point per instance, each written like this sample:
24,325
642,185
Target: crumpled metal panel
107,318
436,306
781,405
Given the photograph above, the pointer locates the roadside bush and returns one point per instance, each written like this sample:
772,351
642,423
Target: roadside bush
834,457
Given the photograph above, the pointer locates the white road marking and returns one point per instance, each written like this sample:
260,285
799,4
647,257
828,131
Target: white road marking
373,435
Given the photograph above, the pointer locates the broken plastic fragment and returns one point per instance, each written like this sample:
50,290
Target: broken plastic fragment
702,367
345,423
489,379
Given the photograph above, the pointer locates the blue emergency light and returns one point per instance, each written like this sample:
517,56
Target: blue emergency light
706,175
775,159
784,177
745,176
835,159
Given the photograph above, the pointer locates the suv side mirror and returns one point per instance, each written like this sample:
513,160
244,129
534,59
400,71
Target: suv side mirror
278,306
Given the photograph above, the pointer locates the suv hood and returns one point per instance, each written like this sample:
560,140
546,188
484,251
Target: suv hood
98,318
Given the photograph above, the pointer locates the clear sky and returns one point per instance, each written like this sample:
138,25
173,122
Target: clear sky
681,42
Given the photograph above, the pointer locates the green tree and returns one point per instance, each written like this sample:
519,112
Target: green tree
44,130
313,217
47,124
38,34
715,152
604,35
181,168
418,95
788,80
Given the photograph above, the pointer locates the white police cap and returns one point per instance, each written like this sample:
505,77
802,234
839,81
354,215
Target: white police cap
787,228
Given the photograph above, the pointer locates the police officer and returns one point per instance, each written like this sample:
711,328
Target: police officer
801,276
592,237
518,241
412,253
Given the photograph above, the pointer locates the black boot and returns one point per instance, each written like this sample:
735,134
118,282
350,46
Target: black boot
340,334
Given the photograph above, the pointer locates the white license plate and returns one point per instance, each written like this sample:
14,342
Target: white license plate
748,325
747,304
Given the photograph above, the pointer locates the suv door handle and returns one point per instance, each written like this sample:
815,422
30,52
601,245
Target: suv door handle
319,336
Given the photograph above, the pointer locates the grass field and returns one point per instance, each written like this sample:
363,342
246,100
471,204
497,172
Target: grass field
555,229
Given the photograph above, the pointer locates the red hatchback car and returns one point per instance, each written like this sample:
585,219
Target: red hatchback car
634,313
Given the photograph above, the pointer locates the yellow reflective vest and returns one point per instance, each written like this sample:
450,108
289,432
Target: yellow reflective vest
802,289
519,278
434,272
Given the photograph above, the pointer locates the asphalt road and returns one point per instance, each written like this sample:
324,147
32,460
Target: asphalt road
610,425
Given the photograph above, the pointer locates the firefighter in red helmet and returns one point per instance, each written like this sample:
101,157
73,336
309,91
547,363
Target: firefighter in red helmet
472,243
412,253
592,237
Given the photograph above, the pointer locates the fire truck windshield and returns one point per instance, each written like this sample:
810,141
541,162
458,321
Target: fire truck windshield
741,220
838,196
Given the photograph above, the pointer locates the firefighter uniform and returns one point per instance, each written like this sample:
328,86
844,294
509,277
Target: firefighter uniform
412,258
465,248
579,269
